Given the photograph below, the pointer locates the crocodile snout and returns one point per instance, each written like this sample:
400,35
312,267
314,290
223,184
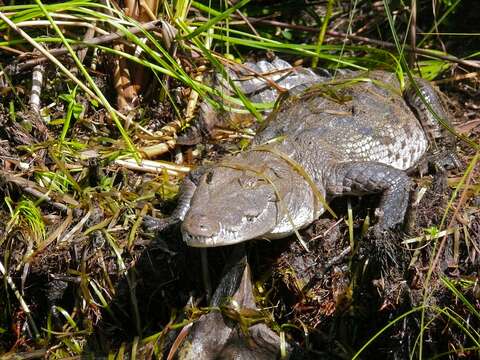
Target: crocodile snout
200,225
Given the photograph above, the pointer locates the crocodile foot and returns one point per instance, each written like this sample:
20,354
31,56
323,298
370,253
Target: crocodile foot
228,334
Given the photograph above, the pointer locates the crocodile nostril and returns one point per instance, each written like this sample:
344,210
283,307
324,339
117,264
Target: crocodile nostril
200,225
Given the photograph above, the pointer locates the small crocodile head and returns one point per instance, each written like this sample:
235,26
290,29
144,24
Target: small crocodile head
232,205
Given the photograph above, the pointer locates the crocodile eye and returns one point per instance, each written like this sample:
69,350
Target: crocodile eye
250,218
248,183
209,177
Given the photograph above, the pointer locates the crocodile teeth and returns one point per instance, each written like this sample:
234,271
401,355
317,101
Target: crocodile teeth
224,237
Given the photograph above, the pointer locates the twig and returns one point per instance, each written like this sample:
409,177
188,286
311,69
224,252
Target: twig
75,229
37,81
34,189
413,33
40,23
12,50
244,18
87,37
115,114
179,340
22,302
153,166
16,68
422,238
471,75
54,235
385,44
161,148
48,55
463,198
32,354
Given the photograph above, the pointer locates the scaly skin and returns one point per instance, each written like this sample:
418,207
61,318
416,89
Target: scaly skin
351,136
216,336
442,142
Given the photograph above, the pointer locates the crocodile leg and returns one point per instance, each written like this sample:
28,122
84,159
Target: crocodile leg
186,191
443,141
360,178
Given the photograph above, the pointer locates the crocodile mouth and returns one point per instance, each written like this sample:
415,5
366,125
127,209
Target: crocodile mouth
224,237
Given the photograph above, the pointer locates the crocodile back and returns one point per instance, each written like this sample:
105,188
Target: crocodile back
353,119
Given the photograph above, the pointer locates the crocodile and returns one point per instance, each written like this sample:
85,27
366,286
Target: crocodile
355,134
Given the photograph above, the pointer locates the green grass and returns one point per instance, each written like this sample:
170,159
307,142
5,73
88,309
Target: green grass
216,35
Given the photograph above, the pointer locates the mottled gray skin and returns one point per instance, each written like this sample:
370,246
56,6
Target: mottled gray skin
352,137
218,336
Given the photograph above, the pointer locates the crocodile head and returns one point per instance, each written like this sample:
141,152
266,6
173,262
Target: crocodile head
234,204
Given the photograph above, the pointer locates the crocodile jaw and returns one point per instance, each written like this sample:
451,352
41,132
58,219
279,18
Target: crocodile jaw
303,217
233,203
227,238
233,221
284,226
242,231
224,237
